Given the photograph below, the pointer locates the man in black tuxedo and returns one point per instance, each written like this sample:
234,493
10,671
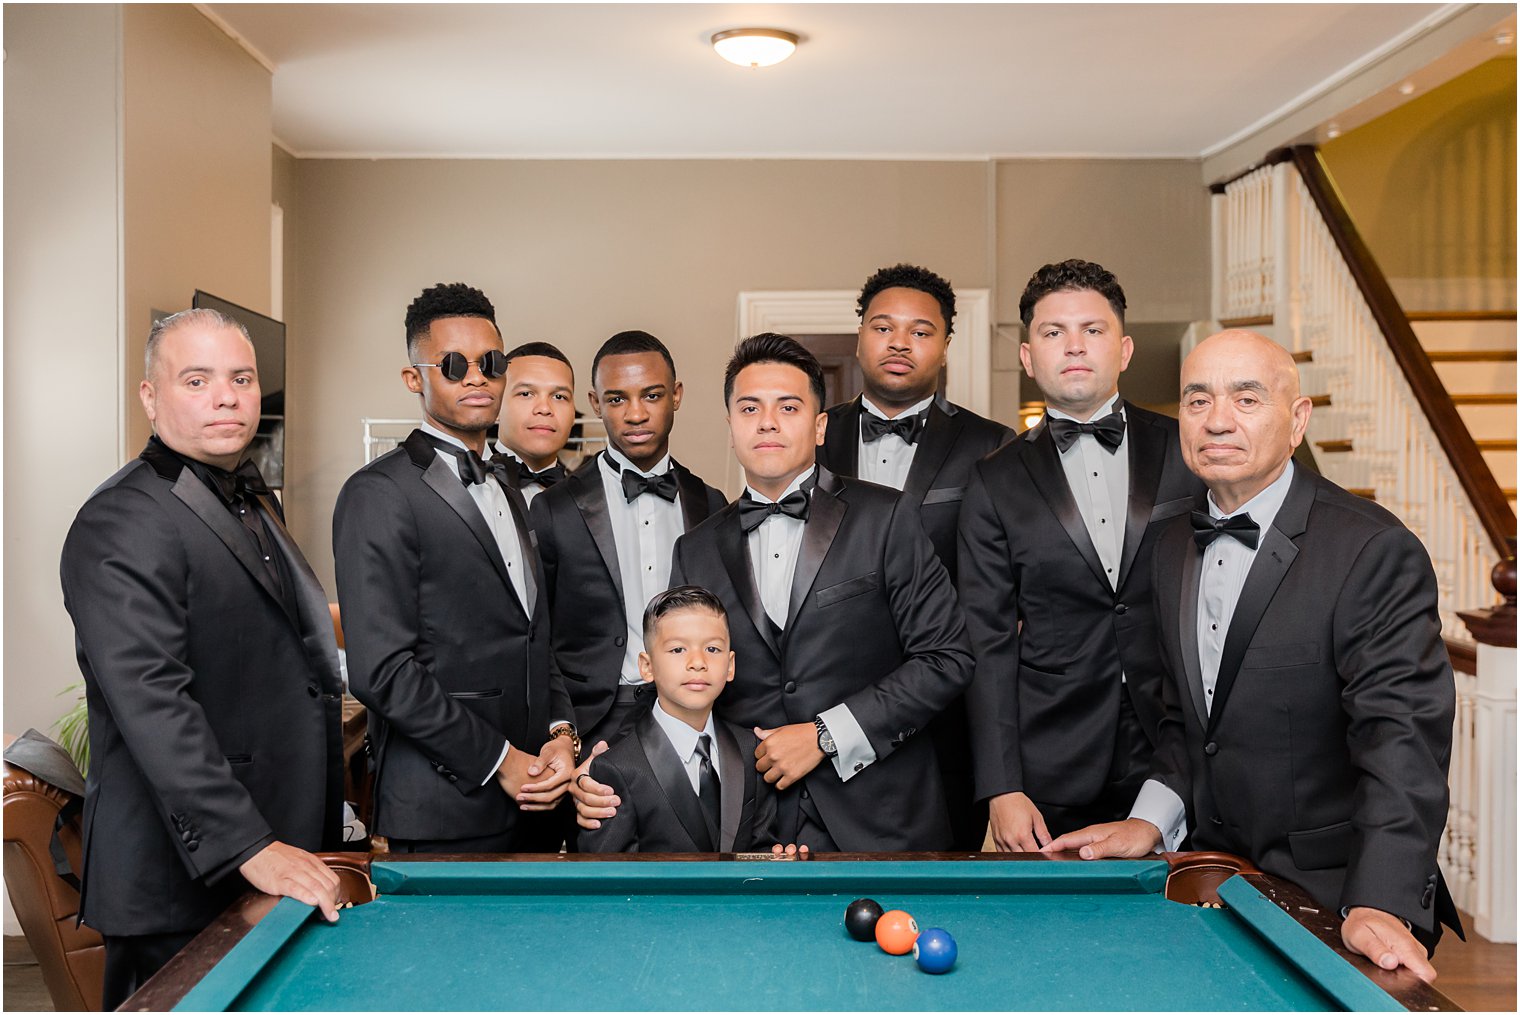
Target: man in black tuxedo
443,609
1055,546
537,415
606,533
898,433
845,625
210,669
1310,699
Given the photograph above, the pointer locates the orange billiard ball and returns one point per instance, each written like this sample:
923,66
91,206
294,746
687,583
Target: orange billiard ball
896,931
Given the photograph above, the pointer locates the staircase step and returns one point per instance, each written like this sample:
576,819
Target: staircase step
1304,356
1471,355
1319,401
1333,447
1488,398
1502,465
1363,491
1492,445
1489,421
1489,334
1477,378
1460,315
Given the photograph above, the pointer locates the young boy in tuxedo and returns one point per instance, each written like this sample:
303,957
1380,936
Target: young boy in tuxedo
686,779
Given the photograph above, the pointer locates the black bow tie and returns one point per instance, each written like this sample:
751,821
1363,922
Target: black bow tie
1109,430
243,482
553,474
664,487
1207,528
752,512
908,428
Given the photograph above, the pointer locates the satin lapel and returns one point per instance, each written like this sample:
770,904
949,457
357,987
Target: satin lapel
934,447
311,600
841,441
692,495
1273,559
1187,627
591,497
198,498
731,787
533,571
1044,464
734,551
825,514
444,481
671,775
1146,444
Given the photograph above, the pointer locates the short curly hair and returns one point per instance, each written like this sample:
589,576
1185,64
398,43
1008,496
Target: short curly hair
446,299
1071,276
910,276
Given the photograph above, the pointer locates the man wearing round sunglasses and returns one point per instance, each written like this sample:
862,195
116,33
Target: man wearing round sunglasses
443,613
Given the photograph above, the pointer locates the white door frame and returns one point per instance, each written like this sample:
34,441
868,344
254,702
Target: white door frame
968,361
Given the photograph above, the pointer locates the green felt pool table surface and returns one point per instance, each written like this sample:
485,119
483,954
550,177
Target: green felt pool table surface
766,935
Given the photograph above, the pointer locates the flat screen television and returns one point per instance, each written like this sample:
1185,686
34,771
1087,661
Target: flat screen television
268,334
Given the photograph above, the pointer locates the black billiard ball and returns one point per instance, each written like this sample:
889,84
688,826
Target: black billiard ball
860,919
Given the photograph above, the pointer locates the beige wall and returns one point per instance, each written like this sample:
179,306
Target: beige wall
1431,186
572,252
62,304
1147,221
196,174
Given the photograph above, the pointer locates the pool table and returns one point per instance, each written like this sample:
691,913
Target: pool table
1185,931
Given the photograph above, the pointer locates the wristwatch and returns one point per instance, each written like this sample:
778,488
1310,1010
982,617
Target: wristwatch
825,739
564,729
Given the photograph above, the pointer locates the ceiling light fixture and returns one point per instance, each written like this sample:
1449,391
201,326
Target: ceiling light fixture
1333,131
1504,37
755,47
1407,88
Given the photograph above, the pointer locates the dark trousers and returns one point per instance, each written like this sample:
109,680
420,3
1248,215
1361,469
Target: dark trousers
1126,774
130,961
533,833
951,734
798,821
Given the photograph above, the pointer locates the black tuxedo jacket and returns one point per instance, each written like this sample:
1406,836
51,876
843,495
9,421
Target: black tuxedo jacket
1324,757
585,585
873,624
952,441
440,649
1050,634
659,812
215,703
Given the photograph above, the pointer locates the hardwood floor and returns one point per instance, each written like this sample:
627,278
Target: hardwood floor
1479,975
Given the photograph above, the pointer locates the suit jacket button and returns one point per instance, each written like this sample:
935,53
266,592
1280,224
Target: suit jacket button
1211,748
789,686
805,795
619,641
193,845
185,836
1121,609
313,690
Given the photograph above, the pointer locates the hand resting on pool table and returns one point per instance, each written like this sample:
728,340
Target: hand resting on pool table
280,869
1380,936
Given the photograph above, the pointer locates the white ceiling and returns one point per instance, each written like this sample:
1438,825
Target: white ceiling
869,80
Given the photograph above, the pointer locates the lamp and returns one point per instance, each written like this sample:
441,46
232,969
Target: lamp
754,47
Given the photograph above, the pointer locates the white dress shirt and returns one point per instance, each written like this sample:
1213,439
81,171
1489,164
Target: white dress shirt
645,533
888,459
774,546
1099,483
1221,576
684,739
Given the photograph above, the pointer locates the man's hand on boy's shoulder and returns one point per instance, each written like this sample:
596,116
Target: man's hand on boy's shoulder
787,753
594,801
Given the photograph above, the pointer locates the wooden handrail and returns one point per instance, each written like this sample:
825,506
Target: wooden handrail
1492,507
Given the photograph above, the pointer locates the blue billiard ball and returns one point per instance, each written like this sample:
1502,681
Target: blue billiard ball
934,951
